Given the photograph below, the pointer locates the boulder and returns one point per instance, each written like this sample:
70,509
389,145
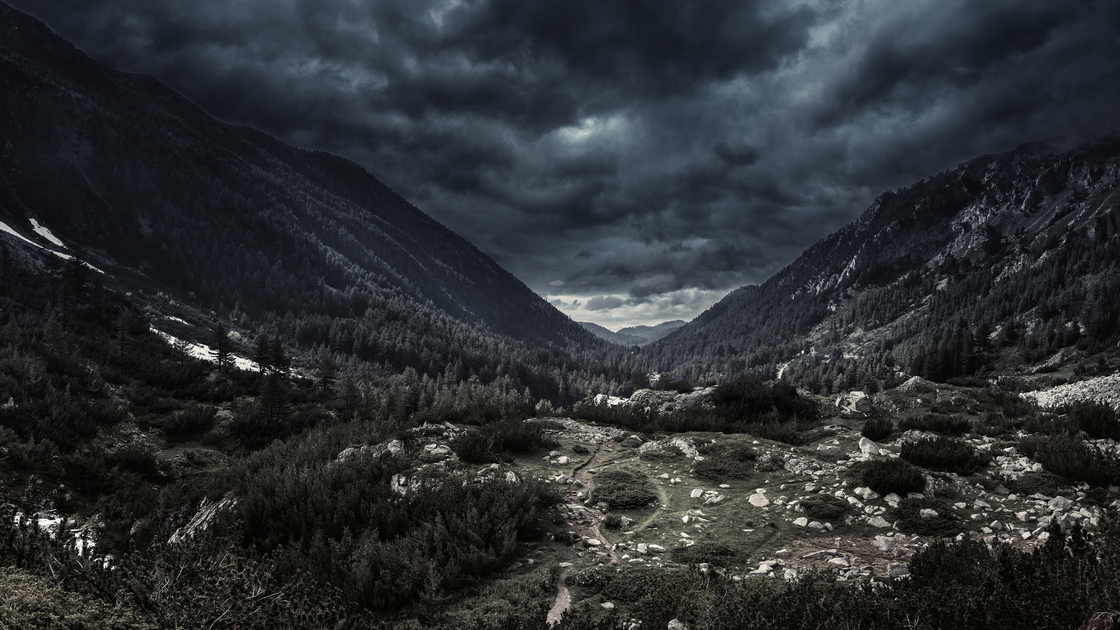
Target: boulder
854,402
676,624
759,500
913,383
878,521
898,569
868,447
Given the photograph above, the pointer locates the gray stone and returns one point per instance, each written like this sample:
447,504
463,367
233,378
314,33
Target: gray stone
898,569
1059,504
854,402
676,624
868,447
878,521
759,500
927,513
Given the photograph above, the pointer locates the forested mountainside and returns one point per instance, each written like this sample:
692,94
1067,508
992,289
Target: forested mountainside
137,181
1017,251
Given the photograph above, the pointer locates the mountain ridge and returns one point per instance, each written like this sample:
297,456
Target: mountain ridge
101,157
964,236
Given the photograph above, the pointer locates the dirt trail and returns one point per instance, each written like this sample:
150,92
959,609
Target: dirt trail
576,513
663,497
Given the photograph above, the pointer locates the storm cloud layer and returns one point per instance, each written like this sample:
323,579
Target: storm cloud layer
632,161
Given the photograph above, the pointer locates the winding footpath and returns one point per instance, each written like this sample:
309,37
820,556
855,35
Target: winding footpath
576,513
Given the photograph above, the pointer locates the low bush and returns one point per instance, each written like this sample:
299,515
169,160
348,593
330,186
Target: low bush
715,554
726,461
492,442
908,516
1046,483
193,420
937,423
825,507
944,454
1073,459
622,489
893,475
877,429
1095,419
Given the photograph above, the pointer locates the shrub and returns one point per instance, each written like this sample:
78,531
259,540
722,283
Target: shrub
945,454
893,475
937,423
622,489
877,428
909,518
1096,419
715,554
193,420
491,442
1046,483
727,461
612,521
825,507
580,449
1073,459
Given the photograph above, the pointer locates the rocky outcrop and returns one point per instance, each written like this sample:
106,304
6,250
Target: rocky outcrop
854,402
392,447
1103,389
666,401
200,522
914,383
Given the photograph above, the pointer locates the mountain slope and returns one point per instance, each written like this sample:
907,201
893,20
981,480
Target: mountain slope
934,277
143,184
618,338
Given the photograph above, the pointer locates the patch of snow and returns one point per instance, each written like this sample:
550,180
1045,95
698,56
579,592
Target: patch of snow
176,319
4,227
42,230
202,351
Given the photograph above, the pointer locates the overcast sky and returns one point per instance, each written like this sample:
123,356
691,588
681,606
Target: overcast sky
631,161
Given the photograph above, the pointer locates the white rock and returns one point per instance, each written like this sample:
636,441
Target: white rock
898,569
878,521
697,493
927,513
759,500
868,447
1059,504
801,521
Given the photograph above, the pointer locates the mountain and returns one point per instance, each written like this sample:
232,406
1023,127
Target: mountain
617,338
127,175
1009,254
652,333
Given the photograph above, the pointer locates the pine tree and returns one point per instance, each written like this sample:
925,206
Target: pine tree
222,347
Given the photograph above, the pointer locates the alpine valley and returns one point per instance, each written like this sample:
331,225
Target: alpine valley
247,385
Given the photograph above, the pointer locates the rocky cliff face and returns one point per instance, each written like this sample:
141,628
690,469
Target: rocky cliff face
1001,241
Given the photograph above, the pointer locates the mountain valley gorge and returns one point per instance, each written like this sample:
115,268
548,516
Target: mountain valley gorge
248,385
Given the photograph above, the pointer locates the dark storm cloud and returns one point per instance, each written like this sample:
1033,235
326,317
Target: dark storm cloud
633,160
